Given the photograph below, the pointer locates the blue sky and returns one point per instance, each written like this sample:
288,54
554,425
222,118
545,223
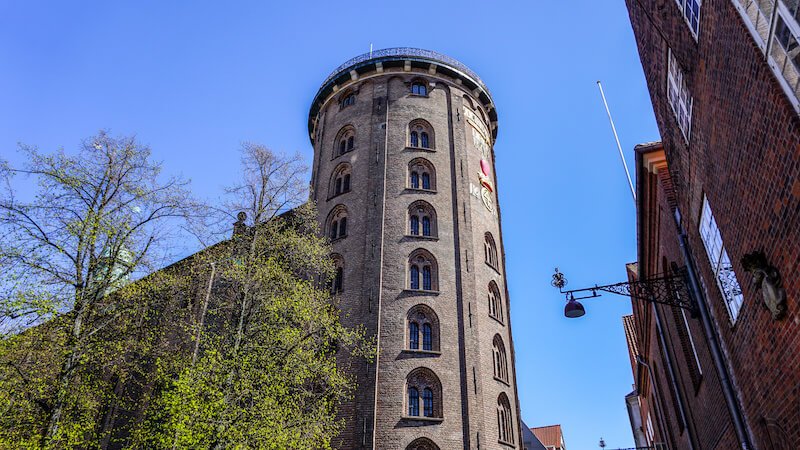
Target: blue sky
194,79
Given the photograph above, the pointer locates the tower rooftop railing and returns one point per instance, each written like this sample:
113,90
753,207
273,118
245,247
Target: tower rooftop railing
410,52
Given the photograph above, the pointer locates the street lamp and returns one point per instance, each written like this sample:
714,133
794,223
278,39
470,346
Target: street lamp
667,289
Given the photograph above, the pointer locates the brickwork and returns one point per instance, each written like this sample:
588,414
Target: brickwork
743,155
379,243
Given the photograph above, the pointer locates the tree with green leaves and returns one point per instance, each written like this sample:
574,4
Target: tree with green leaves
263,373
93,220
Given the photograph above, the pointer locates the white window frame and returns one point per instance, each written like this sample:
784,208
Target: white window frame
691,341
688,14
761,18
678,96
720,262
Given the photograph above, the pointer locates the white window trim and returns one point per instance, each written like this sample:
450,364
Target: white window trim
733,301
677,83
682,9
691,341
765,43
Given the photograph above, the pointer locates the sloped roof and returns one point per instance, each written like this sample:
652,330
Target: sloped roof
549,435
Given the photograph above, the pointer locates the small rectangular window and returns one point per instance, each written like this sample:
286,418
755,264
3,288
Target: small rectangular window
720,262
691,12
680,99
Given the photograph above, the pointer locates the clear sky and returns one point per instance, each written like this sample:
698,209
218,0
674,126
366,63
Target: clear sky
194,79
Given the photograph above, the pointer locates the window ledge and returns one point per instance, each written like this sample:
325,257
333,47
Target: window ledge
338,239
429,191
424,419
497,320
506,444
423,238
422,352
336,195
420,292
338,155
500,380
418,95
420,149
490,266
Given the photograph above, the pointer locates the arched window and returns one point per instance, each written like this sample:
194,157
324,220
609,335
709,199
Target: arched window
413,401
422,444
419,88
490,250
420,134
421,261
423,381
421,174
337,284
422,213
500,359
340,180
423,324
427,402
505,426
345,141
495,302
337,222
348,99
413,335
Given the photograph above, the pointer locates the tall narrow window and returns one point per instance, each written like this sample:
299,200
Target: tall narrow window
414,277
420,134
342,147
414,225
490,251
413,402
346,184
426,278
413,335
500,359
426,181
691,12
426,226
343,227
415,180
424,140
720,262
345,140
340,179
495,302
504,420
414,139
427,342
338,186
350,143
334,230
679,97
427,402
338,280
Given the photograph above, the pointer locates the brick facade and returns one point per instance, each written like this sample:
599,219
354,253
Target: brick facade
460,122
742,154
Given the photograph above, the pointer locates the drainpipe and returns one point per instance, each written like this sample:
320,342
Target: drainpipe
658,412
713,341
672,378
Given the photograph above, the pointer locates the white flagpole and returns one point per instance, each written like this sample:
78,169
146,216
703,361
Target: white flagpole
619,146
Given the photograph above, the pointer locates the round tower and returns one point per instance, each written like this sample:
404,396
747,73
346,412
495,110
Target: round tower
404,180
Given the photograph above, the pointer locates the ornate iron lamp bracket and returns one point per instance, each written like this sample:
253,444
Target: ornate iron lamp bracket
669,289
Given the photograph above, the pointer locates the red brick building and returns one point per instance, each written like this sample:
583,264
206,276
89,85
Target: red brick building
720,197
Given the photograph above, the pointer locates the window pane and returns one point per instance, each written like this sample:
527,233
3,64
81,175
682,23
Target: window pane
426,278
413,336
334,229
338,189
427,396
346,183
415,180
427,342
424,136
426,226
414,277
413,402
414,225
343,227
414,139
426,181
